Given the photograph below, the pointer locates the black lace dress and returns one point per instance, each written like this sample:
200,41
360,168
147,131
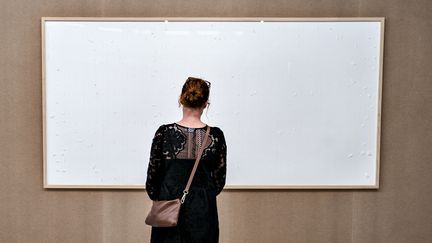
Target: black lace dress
173,153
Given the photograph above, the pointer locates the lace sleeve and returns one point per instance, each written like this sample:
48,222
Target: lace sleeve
219,174
154,173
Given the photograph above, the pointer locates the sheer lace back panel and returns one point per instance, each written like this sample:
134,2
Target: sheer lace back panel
193,139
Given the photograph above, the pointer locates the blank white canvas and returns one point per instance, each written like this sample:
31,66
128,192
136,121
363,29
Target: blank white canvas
298,101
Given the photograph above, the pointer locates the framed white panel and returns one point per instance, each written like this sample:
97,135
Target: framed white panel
298,99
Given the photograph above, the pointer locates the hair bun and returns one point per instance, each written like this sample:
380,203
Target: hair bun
195,93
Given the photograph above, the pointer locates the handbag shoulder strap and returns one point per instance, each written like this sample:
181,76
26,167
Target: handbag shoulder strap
186,190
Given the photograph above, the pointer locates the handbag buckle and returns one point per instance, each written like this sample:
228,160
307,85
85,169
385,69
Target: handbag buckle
184,196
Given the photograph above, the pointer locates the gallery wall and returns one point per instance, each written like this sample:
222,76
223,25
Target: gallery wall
399,211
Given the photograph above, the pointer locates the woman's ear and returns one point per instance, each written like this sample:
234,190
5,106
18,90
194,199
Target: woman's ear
179,103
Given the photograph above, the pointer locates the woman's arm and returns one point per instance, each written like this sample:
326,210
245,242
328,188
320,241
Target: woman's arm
154,173
219,174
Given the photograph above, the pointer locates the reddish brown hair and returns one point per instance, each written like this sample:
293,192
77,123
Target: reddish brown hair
195,92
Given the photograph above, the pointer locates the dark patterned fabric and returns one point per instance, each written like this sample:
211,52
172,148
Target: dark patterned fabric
173,153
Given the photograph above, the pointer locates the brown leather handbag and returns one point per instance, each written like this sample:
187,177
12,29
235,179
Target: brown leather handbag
164,213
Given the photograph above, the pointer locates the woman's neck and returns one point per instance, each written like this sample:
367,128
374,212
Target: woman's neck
191,117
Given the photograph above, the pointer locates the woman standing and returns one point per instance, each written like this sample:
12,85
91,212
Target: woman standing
173,153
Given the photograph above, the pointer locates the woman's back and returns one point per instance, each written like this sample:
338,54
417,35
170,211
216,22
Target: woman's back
173,153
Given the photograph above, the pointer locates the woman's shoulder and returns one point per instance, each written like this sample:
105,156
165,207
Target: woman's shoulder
165,126
162,128
216,129
217,132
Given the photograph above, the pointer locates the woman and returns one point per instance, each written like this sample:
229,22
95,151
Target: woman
173,153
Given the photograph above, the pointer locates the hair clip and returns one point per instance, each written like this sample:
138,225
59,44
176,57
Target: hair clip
208,83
